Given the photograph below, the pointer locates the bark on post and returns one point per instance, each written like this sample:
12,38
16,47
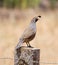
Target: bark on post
27,56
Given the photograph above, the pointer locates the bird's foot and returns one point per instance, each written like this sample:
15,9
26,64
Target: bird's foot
30,46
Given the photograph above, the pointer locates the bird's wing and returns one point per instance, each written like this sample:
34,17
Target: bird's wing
28,32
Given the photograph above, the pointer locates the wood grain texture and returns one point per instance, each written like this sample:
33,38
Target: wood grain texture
27,56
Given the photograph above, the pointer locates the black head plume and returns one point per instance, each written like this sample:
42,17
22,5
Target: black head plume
39,16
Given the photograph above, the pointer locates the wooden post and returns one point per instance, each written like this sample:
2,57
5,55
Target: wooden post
27,56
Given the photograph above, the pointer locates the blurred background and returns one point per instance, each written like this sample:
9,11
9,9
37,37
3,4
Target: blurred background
15,16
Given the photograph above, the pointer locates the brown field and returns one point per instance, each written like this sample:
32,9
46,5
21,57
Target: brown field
46,38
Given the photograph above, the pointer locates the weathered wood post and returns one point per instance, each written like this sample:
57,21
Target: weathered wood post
27,56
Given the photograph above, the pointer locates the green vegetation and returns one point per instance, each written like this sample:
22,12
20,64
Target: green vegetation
53,3
8,3
20,3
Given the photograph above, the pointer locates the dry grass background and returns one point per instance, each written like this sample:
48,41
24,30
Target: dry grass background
46,38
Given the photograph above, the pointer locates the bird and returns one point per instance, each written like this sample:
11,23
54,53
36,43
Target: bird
29,33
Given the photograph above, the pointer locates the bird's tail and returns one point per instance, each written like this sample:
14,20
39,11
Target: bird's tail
19,44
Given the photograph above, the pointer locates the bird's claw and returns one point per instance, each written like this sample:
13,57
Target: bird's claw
30,46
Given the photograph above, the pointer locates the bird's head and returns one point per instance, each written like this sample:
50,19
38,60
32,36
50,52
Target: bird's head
35,19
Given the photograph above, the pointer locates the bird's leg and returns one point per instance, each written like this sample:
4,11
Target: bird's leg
29,45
